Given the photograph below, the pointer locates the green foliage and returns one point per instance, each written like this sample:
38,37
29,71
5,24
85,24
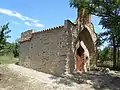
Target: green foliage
11,48
7,48
105,54
80,4
8,59
16,49
4,31
101,8
99,40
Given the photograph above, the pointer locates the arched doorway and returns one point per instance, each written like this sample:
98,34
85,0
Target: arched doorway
80,59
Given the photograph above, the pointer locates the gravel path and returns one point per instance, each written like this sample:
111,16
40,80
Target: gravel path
15,77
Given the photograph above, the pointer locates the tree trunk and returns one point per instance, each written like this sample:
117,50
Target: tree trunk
118,58
114,54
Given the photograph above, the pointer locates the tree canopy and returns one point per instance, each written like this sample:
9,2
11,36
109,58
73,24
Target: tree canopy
4,31
7,47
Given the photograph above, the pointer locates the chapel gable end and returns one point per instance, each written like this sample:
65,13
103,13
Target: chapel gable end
26,35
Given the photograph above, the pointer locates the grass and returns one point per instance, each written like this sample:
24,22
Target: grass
8,59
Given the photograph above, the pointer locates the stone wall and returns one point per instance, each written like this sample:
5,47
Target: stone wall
48,51
53,50
24,54
26,35
70,61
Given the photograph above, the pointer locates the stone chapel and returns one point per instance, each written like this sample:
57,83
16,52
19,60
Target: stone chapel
61,49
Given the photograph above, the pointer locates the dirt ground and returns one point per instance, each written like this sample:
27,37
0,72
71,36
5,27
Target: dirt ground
13,77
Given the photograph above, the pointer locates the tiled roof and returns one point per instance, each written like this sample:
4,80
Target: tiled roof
49,29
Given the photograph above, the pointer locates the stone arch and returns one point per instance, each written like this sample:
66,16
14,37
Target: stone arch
86,40
80,51
86,37
79,56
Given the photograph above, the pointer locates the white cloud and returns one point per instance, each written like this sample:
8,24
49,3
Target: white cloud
14,22
35,24
38,25
28,21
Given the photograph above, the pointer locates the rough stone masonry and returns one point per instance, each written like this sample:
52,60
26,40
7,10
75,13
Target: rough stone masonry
53,50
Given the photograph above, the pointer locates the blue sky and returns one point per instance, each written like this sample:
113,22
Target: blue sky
37,14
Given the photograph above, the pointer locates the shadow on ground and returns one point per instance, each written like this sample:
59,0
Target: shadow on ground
61,80
98,80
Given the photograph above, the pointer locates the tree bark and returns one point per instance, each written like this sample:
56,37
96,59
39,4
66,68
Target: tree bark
118,58
114,54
